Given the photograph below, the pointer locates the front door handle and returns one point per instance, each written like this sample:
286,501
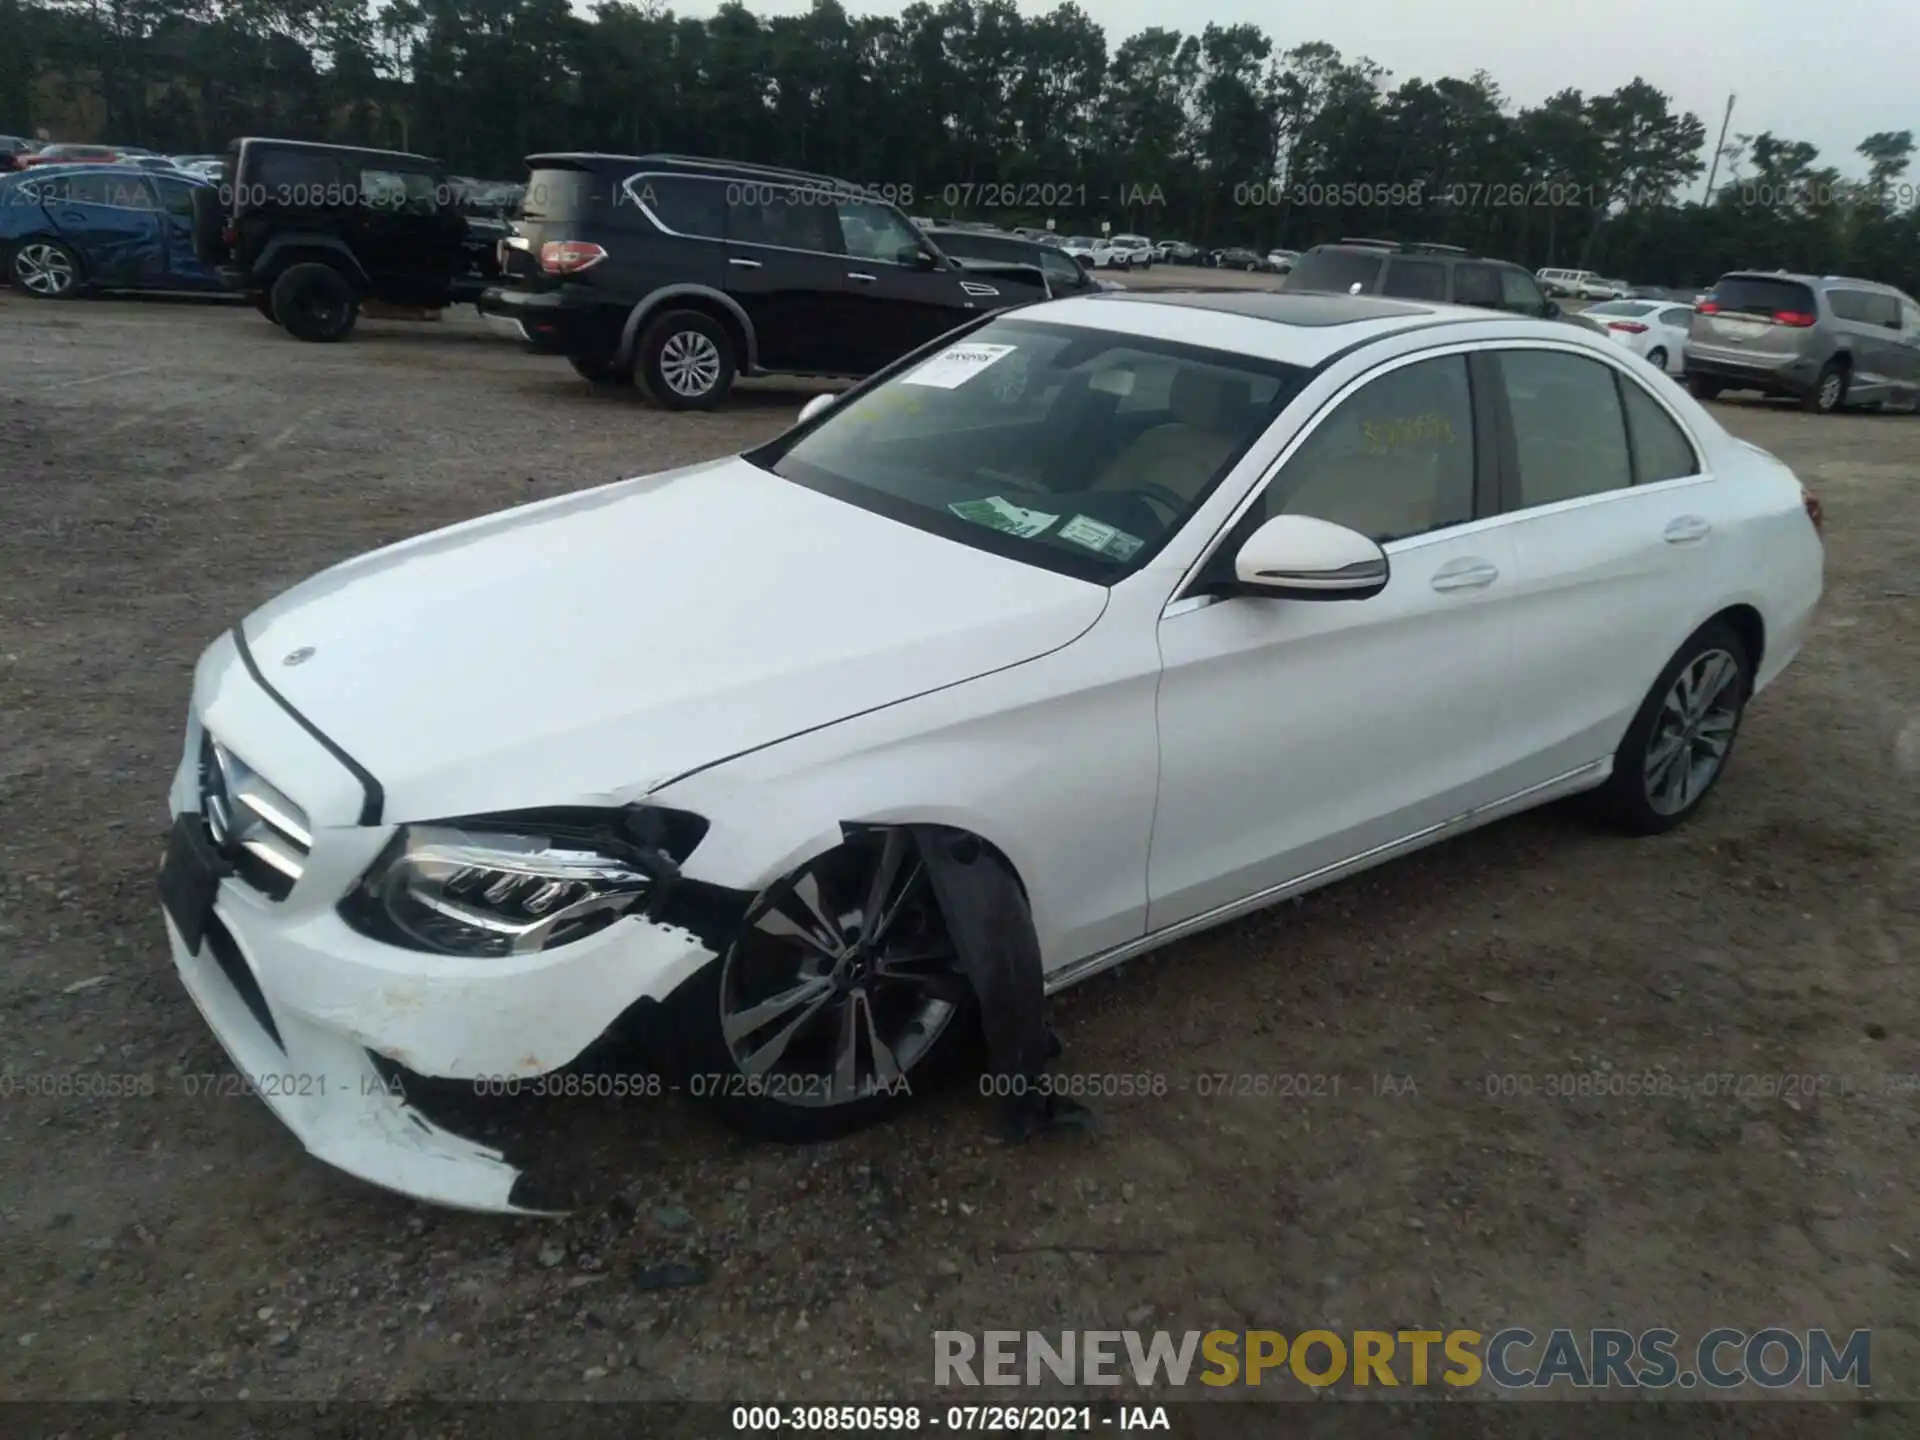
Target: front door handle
861,276
1686,530
743,264
1468,573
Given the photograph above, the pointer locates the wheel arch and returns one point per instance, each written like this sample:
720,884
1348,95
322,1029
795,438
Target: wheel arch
707,300
1748,623
14,245
288,250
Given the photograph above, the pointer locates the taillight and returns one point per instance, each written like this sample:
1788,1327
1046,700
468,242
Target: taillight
1707,307
1632,327
1799,319
570,257
1814,512
228,235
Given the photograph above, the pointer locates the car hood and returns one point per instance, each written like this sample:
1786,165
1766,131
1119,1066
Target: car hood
590,648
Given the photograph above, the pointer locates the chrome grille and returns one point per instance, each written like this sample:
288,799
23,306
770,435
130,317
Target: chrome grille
263,834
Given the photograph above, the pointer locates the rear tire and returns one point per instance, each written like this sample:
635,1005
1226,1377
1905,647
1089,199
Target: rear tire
1702,388
46,269
1681,739
685,361
1829,392
315,303
1657,357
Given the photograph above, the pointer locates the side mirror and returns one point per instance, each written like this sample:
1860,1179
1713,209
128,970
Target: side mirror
1553,310
814,406
1296,557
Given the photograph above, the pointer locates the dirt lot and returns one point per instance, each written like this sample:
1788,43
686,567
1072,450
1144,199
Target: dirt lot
166,467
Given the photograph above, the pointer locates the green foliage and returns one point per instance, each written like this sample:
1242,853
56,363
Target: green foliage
971,108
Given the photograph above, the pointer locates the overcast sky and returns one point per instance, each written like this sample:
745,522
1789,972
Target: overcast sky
1830,77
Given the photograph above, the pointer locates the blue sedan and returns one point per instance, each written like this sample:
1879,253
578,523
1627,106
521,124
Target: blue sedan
67,229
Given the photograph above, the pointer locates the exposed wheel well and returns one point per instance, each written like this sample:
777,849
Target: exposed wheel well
1751,629
714,310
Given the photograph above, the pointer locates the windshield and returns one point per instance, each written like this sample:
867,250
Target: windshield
1081,451
1619,307
1081,240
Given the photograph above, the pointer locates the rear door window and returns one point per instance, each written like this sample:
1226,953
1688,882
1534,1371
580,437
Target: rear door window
1569,431
1881,310
1762,295
1335,271
787,217
1476,285
1661,450
1416,279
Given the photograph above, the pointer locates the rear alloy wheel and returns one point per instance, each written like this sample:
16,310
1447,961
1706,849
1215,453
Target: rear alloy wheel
315,302
46,270
1657,357
839,997
1829,391
1679,742
685,361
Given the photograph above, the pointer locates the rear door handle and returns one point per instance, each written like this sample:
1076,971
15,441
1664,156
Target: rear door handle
1468,573
1686,530
861,276
743,264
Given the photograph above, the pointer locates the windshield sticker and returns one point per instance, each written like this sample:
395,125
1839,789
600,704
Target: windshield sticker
1001,515
1097,535
956,365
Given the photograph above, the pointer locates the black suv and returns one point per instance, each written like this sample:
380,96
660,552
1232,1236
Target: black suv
681,273
309,231
981,249
1418,271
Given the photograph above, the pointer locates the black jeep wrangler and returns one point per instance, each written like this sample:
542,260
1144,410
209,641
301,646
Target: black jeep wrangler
309,231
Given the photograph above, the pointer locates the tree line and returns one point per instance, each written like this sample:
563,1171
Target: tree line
968,108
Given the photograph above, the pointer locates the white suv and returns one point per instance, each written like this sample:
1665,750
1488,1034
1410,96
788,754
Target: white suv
1133,250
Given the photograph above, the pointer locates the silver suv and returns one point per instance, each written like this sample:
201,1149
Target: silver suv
1824,340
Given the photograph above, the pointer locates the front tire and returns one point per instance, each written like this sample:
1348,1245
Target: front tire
685,360
837,999
45,269
1679,743
315,303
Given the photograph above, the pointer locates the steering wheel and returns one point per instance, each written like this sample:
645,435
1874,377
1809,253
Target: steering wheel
1169,500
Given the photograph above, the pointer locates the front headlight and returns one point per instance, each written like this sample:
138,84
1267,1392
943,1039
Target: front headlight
458,889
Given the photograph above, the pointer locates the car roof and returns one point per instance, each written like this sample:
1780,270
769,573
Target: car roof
1290,327
281,143
1794,277
95,168
676,164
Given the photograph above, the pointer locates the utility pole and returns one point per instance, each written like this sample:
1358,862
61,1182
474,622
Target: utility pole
1719,146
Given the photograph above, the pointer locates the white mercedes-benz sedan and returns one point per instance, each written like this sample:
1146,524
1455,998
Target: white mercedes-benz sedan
804,773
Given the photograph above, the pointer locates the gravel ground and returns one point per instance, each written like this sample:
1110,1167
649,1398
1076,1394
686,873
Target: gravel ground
164,467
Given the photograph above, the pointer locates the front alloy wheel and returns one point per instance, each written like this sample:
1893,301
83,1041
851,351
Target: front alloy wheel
46,269
839,996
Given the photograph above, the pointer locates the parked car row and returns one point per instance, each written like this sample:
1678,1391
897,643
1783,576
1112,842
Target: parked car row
18,153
